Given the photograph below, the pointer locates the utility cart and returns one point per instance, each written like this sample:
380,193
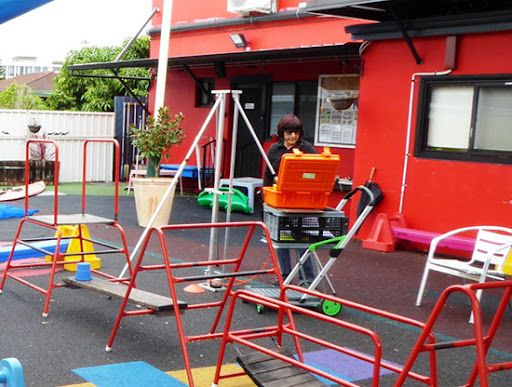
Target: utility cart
313,230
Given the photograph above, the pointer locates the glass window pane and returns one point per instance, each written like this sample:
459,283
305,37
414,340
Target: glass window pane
494,119
450,117
306,108
283,101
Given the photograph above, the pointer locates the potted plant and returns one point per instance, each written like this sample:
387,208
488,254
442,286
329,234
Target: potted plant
159,136
152,142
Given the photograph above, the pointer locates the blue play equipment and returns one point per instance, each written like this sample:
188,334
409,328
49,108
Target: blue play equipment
11,373
21,251
239,201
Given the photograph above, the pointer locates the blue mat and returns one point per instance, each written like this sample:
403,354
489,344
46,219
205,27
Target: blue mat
10,211
135,374
22,252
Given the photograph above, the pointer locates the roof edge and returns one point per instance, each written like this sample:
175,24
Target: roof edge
442,25
344,50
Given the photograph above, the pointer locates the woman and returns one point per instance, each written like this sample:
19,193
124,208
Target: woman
290,135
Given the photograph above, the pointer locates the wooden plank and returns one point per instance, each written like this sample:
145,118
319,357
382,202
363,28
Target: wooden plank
268,371
72,219
146,299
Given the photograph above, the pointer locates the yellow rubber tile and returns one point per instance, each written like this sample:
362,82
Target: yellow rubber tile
203,377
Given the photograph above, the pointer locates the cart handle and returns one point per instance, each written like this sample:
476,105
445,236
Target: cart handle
339,239
348,196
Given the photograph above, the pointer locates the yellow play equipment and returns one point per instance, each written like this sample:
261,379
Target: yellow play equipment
74,247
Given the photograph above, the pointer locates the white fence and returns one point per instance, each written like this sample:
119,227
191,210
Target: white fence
69,130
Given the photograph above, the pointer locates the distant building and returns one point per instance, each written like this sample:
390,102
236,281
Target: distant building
20,65
41,83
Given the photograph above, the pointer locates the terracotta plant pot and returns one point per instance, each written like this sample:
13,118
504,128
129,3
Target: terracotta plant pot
148,194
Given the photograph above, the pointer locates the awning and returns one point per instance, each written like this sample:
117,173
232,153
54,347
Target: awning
401,15
10,9
302,53
389,10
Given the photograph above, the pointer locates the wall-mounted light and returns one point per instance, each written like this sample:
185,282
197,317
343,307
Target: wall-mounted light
239,40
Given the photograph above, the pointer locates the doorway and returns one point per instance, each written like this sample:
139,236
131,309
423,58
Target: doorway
254,101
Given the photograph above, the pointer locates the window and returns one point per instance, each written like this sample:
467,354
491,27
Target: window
337,108
204,97
297,98
465,118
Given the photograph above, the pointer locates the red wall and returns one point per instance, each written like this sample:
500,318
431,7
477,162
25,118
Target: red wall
440,195
180,96
296,32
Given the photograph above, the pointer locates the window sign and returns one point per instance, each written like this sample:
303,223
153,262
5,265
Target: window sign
336,118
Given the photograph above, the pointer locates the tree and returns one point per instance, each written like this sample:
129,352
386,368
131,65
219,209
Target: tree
97,94
20,97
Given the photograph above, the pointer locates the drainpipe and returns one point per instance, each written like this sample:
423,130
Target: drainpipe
409,129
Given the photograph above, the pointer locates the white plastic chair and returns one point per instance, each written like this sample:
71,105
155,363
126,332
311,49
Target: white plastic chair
492,247
204,141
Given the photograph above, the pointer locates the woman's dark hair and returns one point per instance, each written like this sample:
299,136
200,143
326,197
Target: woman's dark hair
290,122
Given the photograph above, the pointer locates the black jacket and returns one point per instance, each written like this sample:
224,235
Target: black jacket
276,151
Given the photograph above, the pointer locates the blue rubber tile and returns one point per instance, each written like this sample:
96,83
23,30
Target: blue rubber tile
135,374
341,365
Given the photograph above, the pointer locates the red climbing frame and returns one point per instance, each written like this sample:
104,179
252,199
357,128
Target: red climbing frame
54,221
172,269
425,342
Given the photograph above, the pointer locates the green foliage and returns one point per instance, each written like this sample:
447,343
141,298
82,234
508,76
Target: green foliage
20,97
97,94
159,135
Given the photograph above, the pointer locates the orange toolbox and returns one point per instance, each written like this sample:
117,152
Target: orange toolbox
305,180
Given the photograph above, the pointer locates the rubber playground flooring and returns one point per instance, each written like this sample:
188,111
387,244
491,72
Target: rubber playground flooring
68,347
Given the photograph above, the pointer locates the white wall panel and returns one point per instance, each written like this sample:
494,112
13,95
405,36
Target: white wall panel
69,130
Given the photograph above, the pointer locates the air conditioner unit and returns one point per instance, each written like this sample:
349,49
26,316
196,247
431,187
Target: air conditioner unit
247,7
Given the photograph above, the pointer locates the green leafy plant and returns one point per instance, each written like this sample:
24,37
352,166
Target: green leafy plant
20,97
97,94
157,137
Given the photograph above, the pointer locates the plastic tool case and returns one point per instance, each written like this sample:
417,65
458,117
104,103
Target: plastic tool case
305,181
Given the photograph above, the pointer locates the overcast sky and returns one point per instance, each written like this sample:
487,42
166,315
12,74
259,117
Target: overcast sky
52,30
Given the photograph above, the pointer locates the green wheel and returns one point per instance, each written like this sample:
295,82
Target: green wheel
330,308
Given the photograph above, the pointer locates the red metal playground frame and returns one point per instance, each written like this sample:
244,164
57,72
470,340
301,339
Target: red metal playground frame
425,343
285,325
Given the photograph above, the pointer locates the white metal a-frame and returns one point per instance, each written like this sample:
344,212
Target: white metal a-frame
218,109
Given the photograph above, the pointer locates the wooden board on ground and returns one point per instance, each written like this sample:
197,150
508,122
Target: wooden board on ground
146,299
15,193
267,371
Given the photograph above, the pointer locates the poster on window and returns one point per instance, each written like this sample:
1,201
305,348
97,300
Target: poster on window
336,119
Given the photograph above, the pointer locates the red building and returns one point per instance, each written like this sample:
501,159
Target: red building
287,52
436,112
432,81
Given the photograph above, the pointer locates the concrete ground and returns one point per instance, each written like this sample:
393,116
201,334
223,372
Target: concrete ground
78,327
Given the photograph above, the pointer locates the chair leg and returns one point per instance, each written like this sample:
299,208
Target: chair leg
479,297
129,186
423,284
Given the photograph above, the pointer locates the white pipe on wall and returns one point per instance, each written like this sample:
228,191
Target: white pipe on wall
163,55
409,129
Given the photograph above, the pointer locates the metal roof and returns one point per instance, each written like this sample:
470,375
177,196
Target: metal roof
388,10
299,53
